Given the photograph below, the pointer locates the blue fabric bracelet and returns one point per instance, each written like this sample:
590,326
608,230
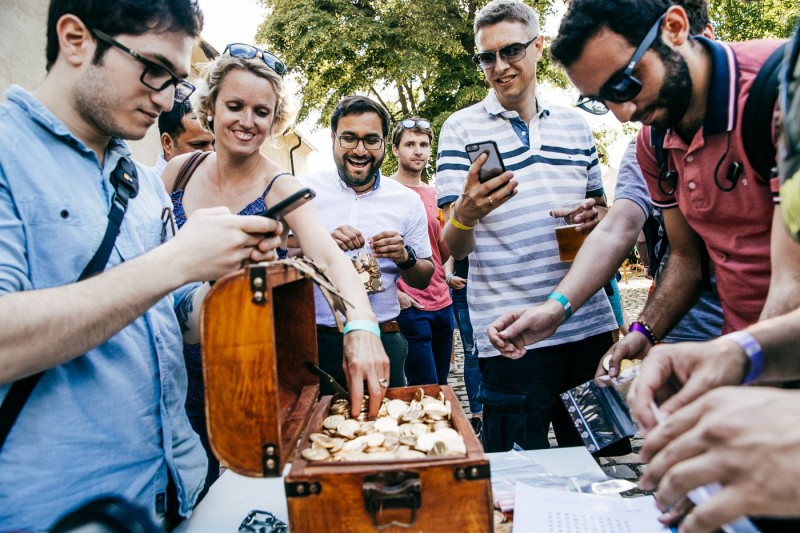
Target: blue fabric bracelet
362,325
754,353
560,298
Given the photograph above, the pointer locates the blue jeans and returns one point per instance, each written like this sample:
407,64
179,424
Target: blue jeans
430,343
472,372
521,396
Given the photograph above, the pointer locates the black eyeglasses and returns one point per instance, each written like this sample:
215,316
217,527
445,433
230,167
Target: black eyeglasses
510,54
351,141
621,87
410,123
154,76
246,51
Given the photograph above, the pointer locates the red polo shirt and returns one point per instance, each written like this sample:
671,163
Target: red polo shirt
735,225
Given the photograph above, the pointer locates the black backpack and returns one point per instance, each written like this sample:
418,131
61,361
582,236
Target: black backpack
758,146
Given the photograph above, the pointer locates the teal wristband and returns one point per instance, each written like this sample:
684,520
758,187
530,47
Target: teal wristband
560,298
362,325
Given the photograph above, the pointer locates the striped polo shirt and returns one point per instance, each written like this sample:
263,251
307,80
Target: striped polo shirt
515,262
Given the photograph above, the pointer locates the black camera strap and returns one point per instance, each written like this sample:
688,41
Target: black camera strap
126,186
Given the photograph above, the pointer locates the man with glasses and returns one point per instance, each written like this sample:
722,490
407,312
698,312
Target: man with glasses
426,316
377,222
694,90
104,414
506,228
181,133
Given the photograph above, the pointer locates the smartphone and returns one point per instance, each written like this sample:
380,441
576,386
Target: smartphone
493,166
287,205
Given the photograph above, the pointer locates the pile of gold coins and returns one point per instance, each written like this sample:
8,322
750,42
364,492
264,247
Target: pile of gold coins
403,430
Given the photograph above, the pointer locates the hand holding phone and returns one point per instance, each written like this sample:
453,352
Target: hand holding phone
493,166
288,204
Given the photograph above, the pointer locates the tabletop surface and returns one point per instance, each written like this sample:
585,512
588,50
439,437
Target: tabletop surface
233,496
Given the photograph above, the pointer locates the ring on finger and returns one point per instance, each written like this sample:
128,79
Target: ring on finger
384,382
491,200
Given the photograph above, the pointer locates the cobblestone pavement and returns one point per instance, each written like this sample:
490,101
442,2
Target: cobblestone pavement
634,293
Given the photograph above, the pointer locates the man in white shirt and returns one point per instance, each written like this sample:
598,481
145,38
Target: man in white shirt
377,222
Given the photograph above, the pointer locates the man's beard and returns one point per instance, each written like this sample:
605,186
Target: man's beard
410,167
675,95
354,181
95,104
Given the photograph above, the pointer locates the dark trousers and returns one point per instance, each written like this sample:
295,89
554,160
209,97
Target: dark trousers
331,353
472,372
520,397
430,343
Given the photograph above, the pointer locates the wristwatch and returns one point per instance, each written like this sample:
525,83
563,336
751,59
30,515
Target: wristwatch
411,261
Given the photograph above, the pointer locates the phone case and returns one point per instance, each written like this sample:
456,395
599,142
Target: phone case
494,164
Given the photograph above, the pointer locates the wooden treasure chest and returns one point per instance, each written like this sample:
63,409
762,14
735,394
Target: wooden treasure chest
258,332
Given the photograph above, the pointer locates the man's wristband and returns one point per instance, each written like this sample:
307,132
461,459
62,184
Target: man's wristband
362,325
459,225
645,330
752,348
560,298
447,278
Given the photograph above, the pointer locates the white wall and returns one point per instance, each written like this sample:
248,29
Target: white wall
23,38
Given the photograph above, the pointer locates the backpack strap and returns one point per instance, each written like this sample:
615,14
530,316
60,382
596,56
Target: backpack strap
757,116
188,168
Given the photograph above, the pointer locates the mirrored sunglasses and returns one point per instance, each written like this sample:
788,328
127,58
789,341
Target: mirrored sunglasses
246,51
410,123
623,86
510,54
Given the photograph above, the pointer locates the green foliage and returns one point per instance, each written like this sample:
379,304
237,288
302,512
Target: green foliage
413,56
737,20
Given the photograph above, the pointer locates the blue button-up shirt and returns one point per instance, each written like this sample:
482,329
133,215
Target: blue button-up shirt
111,421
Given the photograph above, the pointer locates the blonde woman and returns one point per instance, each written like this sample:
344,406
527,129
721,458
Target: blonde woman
242,100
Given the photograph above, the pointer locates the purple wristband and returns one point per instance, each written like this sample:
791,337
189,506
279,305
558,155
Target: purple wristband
755,356
644,330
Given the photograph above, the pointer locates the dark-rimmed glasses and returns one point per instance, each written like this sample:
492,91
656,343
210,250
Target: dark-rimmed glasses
410,123
154,76
247,51
510,54
621,87
351,142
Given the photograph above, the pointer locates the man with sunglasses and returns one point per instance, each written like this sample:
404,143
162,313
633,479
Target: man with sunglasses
506,228
379,224
610,243
712,198
745,439
426,315
106,415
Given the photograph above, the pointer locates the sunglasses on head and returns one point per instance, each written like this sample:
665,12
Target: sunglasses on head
410,123
621,87
510,54
246,51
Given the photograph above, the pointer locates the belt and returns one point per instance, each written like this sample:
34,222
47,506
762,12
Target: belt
390,326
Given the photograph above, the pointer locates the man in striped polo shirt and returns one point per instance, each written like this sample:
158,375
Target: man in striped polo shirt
507,227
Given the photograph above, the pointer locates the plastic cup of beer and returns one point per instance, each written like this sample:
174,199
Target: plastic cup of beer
568,238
